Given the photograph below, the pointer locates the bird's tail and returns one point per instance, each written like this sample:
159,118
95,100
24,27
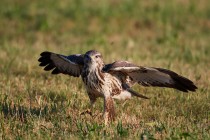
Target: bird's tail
134,93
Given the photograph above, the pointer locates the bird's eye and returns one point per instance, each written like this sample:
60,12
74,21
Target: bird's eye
97,56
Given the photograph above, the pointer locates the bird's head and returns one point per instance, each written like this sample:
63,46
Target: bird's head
93,59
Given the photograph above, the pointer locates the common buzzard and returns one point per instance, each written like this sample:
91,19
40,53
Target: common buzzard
112,81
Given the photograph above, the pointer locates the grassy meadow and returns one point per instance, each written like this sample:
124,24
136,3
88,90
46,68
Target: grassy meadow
169,34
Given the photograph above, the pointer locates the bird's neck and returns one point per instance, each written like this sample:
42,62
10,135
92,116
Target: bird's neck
92,74
94,67
87,69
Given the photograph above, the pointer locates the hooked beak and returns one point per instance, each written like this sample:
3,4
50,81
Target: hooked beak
88,58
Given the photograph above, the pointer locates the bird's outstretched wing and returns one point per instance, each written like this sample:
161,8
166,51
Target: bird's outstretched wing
71,65
149,76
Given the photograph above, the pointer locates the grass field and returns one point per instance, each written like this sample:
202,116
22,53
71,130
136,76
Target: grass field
170,34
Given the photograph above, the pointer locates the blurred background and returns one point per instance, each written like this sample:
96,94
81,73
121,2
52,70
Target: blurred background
177,30
171,34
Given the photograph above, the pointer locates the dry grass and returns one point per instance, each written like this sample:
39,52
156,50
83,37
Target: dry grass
37,105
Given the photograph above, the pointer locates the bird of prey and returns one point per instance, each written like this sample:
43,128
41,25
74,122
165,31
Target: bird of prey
114,80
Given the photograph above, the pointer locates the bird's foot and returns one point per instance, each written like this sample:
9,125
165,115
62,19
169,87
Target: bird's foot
88,111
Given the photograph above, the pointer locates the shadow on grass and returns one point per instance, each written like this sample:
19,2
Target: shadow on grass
9,109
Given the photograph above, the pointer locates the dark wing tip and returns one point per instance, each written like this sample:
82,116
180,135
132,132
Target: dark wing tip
184,84
44,59
49,67
47,63
58,63
42,64
45,53
55,71
181,83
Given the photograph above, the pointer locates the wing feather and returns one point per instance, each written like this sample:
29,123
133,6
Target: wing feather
149,76
71,65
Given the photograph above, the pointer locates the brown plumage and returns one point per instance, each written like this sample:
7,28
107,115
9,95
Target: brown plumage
112,81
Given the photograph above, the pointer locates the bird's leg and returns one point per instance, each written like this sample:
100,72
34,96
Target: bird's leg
90,109
109,112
